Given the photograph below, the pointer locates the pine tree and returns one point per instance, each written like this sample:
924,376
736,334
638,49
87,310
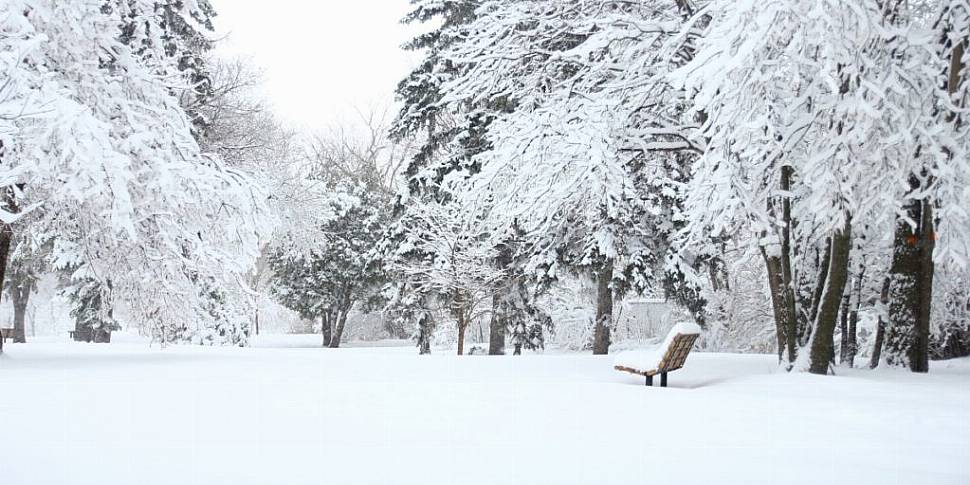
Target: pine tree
515,311
447,139
576,155
93,311
340,271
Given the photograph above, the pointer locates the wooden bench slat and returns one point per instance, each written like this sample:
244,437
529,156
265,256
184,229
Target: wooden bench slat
675,356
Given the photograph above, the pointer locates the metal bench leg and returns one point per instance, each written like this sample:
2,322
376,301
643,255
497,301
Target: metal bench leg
663,379
650,380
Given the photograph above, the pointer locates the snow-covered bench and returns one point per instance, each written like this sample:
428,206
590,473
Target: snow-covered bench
669,356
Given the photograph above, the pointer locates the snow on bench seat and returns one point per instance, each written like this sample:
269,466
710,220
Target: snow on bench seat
669,356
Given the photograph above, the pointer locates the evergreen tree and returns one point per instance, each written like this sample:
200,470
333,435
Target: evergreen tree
447,139
578,154
341,270
93,310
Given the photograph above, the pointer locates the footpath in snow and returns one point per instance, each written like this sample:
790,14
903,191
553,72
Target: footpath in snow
126,413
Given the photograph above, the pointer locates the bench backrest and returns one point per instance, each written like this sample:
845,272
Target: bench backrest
677,351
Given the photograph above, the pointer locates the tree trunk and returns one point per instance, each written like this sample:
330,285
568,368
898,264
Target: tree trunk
791,324
460,309
844,328
6,234
777,259
462,326
777,291
326,329
822,351
20,297
604,309
782,304
853,335
497,326
853,349
425,329
880,326
877,346
338,330
911,289
823,271
426,326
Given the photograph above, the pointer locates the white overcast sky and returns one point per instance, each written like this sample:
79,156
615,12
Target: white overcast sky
321,59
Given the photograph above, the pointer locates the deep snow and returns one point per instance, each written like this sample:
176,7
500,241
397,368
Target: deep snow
125,413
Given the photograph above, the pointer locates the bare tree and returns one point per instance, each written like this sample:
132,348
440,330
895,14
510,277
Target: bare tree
361,151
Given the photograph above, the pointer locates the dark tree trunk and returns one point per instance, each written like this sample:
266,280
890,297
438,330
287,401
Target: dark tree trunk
844,328
777,291
5,236
853,349
604,309
461,310
6,233
338,330
462,326
326,329
853,336
823,272
782,304
426,326
497,326
501,303
880,327
791,324
911,288
877,346
822,351
778,265
20,297
256,319
425,329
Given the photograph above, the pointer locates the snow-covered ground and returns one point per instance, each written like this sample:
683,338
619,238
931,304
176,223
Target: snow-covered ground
125,413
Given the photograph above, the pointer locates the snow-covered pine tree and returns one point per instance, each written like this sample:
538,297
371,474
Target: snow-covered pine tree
93,312
341,271
184,33
514,297
422,115
448,138
573,157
